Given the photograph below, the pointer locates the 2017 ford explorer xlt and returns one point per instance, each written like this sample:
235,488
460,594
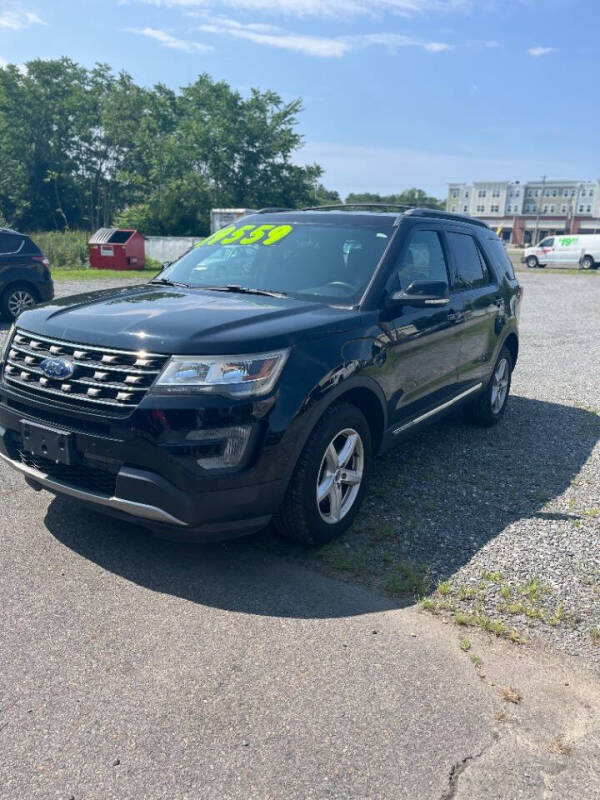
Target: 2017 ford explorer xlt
255,378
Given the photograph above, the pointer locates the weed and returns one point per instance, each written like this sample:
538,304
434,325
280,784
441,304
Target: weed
444,587
342,559
409,578
595,636
464,643
461,619
476,660
506,592
559,615
386,531
429,605
493,577
560,748
466,593
511,695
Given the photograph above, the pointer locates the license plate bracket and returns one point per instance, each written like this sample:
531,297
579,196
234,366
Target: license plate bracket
46,442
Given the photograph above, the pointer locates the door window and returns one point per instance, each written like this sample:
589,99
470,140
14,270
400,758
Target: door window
547,242
9,243
422,260
471,269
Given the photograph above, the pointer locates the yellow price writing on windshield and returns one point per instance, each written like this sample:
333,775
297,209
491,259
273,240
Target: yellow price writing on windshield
248,234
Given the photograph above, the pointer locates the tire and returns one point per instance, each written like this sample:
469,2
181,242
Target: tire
16,299
488,408
302,517
532,262
587,262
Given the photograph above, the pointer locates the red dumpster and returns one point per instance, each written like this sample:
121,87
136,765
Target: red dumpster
113,248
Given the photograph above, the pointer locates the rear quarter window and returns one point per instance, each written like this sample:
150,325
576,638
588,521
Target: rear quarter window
499,257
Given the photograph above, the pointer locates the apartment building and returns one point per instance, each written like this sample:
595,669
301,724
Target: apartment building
525,212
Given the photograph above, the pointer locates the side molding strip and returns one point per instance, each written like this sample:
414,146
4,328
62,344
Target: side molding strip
437,409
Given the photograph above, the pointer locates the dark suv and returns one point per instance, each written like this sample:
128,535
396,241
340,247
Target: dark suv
257,375
24,274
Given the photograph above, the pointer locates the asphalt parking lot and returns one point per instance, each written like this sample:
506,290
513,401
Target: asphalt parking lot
132,667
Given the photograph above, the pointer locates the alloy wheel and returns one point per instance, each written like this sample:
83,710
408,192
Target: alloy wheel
20,300
500,382
340,476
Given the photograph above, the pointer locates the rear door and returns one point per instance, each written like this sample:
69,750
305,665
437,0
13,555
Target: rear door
421,344
475,285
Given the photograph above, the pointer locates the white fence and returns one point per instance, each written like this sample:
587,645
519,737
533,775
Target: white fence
168,248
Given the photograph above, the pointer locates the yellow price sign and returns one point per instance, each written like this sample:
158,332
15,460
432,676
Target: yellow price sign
248,234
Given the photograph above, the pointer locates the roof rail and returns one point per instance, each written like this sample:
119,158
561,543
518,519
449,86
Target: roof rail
274,210
432,212
343,206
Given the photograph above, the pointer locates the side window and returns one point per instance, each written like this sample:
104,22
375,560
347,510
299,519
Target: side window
498,257
9,243
471,269
422,260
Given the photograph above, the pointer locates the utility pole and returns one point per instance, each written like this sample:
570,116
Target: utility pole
537,219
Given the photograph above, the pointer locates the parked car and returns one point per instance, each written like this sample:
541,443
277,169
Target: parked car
205,407
24,274
582,249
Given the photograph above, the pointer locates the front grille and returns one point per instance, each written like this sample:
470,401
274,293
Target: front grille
79,476
104,379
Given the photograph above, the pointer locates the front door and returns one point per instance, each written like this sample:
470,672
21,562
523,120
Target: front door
420,345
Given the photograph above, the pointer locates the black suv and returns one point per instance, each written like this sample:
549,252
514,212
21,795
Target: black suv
24,274
257,375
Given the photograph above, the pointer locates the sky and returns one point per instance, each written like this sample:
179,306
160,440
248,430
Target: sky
397,93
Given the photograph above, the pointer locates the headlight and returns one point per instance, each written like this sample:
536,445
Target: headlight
235,376
7,341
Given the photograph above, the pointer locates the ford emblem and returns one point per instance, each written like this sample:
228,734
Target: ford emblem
60,368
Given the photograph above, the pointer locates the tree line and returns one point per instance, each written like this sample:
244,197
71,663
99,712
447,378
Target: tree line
84,148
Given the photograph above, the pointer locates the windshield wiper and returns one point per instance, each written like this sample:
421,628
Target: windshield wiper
168,282
236,288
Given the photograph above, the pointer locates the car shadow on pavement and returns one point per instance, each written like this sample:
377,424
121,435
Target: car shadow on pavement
436,500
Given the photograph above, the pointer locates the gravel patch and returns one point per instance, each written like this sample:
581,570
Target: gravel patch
506,520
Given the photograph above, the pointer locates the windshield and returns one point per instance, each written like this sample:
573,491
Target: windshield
330,263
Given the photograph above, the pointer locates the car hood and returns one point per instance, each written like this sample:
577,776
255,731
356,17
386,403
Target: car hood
171,320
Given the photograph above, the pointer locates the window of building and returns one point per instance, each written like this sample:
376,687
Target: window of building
563,208
465,209
545,211
554,192
453,209
588,209
496,193
466,195
481,193
454,193
495,208
480,209
581,209
552,209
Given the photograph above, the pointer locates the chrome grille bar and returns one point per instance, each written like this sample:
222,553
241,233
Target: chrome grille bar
116,379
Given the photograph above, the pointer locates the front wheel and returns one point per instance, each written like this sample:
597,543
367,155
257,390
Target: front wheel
532,262
489,407
328,485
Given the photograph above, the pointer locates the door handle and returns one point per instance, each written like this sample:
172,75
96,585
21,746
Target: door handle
456,316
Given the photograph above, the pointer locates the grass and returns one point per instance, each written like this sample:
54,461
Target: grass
83,274
464,643
408,578
595,636
560,748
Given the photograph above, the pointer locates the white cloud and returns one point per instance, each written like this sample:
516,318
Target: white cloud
18,20
168,40
323,8
541,51
319,46
3,63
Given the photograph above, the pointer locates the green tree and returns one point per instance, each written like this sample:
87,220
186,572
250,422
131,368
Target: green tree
409,197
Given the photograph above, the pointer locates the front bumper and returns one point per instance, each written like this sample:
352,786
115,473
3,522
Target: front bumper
139,481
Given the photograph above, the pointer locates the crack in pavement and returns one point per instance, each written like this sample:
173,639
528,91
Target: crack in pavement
457,769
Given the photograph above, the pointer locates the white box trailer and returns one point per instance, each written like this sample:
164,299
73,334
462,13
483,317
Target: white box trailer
565,250
220,217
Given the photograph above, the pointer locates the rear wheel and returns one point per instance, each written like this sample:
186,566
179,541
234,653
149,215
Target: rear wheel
328,485
16,299
488,408
532,262
587,262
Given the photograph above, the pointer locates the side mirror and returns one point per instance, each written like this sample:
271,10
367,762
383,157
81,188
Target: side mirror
422,293
166,264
